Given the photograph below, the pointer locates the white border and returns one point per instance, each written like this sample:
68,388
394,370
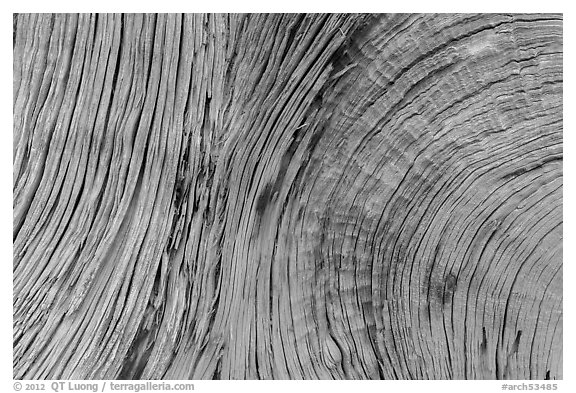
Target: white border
568,384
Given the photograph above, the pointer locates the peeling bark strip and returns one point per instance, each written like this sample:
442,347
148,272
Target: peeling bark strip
288,196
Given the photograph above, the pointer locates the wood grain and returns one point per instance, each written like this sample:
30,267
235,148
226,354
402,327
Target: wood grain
277,196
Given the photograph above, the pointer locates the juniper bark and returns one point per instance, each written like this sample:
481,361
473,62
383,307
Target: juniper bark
287,196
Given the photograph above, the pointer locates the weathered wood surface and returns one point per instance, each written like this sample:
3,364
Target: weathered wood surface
288,196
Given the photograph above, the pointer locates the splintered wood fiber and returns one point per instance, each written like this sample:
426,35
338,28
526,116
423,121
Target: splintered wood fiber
283,196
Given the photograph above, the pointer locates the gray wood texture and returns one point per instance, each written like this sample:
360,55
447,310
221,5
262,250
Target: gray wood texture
287,196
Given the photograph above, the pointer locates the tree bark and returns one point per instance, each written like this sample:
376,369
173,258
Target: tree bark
287,196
